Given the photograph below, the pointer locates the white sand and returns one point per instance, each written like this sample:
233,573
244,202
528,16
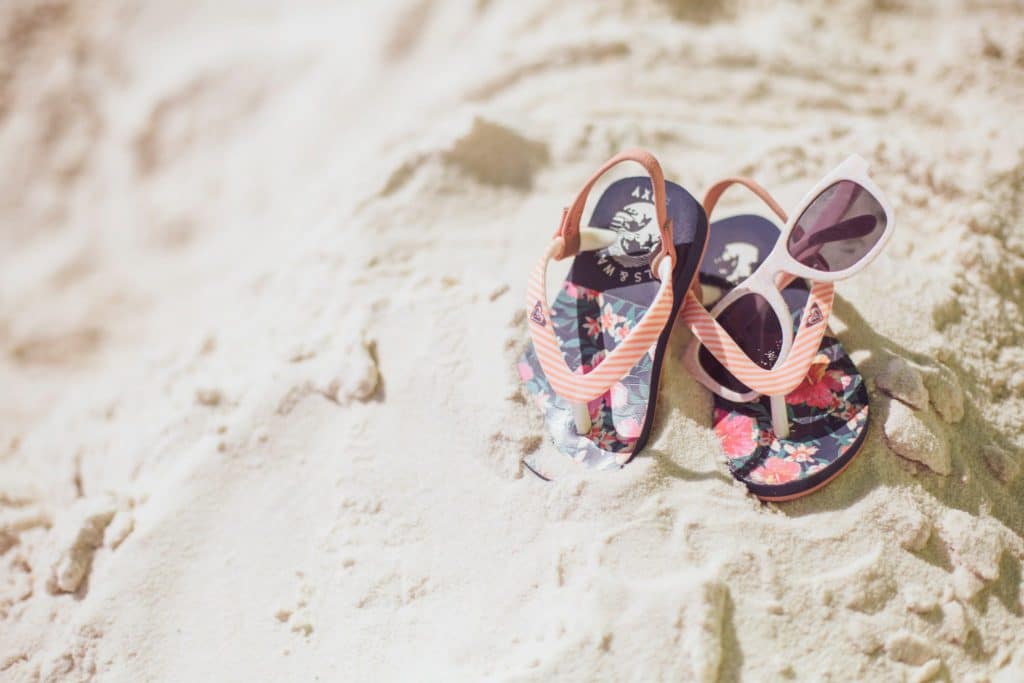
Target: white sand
261,272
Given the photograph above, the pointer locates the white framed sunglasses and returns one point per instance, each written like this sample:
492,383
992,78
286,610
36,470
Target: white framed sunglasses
838,228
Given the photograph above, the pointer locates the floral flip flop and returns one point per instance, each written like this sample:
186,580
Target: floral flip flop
596,354
791,408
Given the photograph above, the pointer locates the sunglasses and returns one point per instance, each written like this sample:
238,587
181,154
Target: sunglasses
748,347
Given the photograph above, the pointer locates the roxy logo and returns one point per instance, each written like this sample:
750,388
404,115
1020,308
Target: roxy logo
537,315
815,316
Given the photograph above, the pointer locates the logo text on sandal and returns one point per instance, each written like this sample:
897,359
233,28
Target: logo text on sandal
537,315
815,316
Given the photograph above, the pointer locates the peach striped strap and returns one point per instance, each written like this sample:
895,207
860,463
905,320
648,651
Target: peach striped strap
574,386
784,377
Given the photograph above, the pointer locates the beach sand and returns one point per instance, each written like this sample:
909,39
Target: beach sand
261,292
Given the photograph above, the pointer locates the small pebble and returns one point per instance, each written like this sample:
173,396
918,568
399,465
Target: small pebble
208,397
954,623
904,383
911,438
1002,464
908,648
927,671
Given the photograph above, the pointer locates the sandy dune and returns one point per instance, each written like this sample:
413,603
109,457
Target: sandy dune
261,275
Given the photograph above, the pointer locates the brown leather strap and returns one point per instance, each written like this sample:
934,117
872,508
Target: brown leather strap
715,192
569,230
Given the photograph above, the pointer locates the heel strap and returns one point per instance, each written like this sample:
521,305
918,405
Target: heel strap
569,230
716,191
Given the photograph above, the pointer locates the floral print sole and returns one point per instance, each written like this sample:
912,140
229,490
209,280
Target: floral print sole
589,324
828,412
828,416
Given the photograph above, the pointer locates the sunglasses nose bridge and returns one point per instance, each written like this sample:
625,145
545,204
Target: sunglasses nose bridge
762,278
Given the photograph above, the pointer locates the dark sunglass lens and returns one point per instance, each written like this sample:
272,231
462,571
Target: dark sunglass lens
755,328
838,228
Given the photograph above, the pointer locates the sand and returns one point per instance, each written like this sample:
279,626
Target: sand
261,279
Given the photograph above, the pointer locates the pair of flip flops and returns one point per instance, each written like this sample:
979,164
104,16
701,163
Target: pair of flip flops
790,407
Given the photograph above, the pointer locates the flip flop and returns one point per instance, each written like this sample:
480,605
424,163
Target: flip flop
829,410
826,411
595,360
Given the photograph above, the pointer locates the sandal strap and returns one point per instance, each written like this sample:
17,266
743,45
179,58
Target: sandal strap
569,230
715,192
575,386
578,387
786,376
